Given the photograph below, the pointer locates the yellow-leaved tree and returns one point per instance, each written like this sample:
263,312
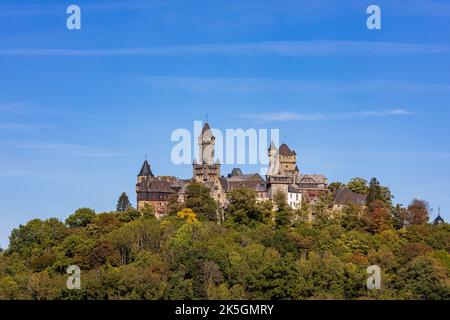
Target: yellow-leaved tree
188,215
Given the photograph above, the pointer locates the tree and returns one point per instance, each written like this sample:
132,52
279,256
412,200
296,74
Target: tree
379,217
123,204
377,192
424,278
36,236
9,289
188,215
358,185
322,208
81,218
353,217
417,212
198,199
147,211
399,216
174,205
283,213
335,186
242,206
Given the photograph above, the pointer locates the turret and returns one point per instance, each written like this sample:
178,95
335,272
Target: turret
145,171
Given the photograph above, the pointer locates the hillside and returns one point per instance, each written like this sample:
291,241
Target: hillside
254,253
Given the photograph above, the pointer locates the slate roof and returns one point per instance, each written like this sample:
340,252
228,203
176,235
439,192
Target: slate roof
294,189
246,177
345,196
154,185
286,151
438,220
316,178
145,170
236,172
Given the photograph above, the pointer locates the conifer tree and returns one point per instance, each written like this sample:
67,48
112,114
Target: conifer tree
123,204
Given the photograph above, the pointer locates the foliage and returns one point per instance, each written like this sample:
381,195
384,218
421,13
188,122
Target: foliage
263,250
81,218
417,212
123,204
199,200
358,185
188,215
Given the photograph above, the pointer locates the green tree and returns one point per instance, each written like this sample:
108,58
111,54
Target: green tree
36,236
9,289
242,206
335,186
378,193
199,200
81,218
174,205
424,278
283,213
148,211
358,185
123,204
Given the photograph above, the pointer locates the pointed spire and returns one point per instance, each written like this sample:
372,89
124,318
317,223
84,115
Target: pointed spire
206,127
145,170
272,146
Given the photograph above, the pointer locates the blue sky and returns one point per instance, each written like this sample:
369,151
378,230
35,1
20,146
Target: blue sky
80,109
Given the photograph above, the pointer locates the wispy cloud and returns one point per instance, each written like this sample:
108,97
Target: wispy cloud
294,116
71,149
276,48
249,85
12,107
25,126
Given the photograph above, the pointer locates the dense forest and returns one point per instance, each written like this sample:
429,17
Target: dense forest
250,250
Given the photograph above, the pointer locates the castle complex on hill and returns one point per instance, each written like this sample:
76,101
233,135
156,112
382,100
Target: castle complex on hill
283,175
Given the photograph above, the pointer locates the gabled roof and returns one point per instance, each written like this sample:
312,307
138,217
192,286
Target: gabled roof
145,170
286,151
345,196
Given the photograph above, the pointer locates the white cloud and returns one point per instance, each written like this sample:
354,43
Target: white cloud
294,116
276,48
70,149
310,86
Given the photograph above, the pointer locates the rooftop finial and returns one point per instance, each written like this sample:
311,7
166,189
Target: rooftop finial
145,157
206,117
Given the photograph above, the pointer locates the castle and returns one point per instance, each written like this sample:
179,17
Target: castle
282,175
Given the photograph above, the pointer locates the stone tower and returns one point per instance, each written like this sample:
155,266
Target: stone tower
288,160
277,179
206,169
